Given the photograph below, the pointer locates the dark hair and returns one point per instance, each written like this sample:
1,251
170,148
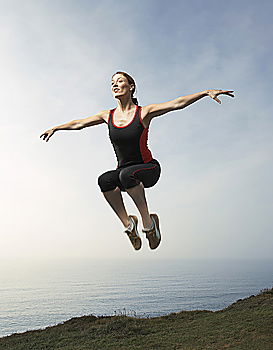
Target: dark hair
132,82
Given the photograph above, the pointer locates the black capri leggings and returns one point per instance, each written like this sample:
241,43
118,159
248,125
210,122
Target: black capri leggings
130,176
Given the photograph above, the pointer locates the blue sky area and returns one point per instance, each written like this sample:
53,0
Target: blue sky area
214,197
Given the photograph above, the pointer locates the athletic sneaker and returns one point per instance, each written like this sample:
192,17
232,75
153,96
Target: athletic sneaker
153,234
132,232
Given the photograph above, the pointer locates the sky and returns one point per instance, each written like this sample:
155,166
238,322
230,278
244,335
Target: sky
214,197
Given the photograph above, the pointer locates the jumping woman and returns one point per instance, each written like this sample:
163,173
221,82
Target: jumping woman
128,126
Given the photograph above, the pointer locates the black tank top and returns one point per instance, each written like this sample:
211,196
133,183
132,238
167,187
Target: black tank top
129,141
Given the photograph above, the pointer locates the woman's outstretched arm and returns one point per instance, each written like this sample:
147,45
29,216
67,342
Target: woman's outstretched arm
155,110
78,124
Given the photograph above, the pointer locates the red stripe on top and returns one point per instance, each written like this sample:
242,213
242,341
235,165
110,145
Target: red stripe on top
136,171
145,152
124,126
110,114
140,117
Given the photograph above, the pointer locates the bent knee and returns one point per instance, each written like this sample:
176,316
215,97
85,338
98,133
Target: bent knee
127,179
107,182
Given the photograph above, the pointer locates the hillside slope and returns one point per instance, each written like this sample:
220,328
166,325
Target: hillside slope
244,325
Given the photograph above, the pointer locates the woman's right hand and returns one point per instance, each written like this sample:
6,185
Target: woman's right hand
215,93
47,134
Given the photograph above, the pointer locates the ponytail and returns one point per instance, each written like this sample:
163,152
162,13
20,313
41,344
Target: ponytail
135,101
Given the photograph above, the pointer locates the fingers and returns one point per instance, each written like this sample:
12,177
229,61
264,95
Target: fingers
217,99
228,92
214,93
46,136
43,136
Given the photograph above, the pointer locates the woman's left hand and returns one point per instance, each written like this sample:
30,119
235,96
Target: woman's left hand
214,93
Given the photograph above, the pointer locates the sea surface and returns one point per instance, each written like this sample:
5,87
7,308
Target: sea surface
36,295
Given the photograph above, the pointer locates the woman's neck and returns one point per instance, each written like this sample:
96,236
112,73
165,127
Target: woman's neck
125,104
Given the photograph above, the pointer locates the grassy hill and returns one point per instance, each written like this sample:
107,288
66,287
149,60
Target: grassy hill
244,325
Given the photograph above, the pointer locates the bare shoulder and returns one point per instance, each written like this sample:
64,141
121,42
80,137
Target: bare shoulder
144,111
104,115
95,119
145,116
155,110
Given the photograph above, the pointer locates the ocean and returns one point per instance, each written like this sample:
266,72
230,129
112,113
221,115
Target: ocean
40,294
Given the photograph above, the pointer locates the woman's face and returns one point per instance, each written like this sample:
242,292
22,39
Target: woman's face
120,86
